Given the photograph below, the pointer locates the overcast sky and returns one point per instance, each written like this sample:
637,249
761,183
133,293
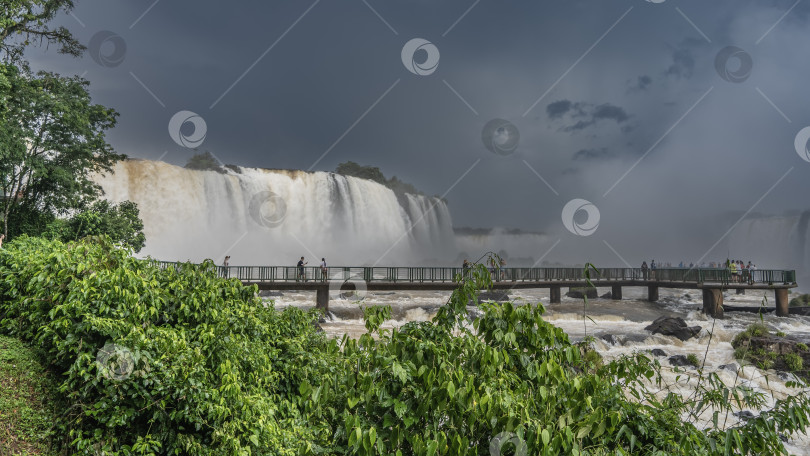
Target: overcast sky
640,107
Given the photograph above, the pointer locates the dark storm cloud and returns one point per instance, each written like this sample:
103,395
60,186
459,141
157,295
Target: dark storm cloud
610,112
593,154
584,114
642,83
683,64
558,109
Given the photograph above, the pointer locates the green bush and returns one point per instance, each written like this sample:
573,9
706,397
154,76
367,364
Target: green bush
801,346
207,369
753,330
800,301
180,361
693,359
793,361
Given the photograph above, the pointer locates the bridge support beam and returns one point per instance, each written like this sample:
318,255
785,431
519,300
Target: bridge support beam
616,292
782,309
322,299
555,294
713,302
652,294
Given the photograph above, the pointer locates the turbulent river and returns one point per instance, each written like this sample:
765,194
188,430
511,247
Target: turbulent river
623,320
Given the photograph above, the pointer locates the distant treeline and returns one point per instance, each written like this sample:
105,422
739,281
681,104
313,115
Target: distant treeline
351,168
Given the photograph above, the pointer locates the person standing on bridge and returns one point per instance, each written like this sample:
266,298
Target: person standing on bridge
324,270
644,269
733,268
226,271
302,276
653,267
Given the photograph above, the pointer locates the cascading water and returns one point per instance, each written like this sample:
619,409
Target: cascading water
272,217
778,242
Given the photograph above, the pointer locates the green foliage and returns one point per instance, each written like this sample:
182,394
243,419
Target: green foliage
793,361
120,222
52,141
753,330
210,369
801,346
181,361
204,161
351,168
23,22
781,334
800,301
692,359
28,401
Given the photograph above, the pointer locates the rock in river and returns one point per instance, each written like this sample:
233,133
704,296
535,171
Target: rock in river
670,326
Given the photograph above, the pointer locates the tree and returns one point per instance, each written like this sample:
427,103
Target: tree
120,222
351,168
52,140
25,21
204,161
373,173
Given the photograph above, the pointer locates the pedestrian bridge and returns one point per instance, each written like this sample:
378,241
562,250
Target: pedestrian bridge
711,281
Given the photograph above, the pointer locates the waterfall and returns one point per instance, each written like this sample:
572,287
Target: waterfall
776,242
273,217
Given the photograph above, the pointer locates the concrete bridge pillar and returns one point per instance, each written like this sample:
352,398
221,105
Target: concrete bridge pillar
555,295
713,302
652,294
782,302
322,299
616,292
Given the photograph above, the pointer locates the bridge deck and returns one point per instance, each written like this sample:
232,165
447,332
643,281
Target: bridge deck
335,279
509,285
537,277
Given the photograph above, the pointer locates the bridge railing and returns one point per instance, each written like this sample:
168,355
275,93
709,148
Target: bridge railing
450,274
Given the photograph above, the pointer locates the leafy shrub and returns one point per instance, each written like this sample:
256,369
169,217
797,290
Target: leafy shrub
693,359
180,361
801,346
781,333
211,370
753,330
793,361
800,301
